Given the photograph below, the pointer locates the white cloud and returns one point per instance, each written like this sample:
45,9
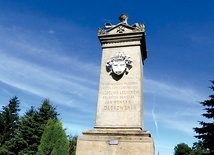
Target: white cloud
45,82
167,90
177,107
38,64
179,124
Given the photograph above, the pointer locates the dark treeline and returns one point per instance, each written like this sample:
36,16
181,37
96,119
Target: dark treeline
37,132
205,133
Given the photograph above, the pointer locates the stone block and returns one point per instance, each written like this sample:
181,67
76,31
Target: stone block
115,142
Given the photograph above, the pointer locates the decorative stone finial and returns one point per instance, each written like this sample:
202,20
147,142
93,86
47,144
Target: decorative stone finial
123,19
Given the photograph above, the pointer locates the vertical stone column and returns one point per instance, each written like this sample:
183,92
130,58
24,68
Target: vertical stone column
120,97
118,128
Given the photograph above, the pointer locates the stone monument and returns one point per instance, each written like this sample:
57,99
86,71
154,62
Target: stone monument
118,128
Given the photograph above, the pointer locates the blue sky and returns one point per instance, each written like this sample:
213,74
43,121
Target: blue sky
49,49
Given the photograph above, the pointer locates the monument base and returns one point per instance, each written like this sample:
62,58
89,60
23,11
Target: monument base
115,142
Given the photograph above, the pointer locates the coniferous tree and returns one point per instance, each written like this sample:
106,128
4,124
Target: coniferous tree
27,137
9,121
28,132
47,111
22,135
206,132
54,140
32,126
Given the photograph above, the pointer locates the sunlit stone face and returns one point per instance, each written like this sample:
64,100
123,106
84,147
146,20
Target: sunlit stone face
119,67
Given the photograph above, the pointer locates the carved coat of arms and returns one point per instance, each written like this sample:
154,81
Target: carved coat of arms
119,64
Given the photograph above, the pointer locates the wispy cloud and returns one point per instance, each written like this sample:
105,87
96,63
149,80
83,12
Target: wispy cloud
168,90
179,124
177,108
44,82
43,70
153,113
176,120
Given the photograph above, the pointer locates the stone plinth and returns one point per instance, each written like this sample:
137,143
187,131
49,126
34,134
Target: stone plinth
115,142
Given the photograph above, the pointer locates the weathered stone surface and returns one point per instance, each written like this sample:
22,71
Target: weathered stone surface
115,142
120,97
118,127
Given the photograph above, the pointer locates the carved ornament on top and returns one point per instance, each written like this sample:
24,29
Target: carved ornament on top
122,27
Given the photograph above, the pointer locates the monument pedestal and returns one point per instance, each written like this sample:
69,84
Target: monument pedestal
115,142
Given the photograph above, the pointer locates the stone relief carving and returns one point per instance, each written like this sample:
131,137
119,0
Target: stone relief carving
119,64
120,29
139,27
101,31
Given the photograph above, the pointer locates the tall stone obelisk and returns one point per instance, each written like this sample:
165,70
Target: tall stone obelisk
118,128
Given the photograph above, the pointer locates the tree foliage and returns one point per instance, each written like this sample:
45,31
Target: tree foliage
206,132
9,121
22,135
182,149
198,148
28,131
72,144
32,126
54,140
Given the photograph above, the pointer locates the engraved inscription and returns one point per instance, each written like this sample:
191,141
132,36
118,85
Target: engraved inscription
118,97
120,108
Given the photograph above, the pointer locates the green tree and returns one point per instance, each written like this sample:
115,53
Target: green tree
27,136
9,118
32,126
182,149
206,132
22,135
47,111
29,133
13,146
9,121
54,140
198,148
72,144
